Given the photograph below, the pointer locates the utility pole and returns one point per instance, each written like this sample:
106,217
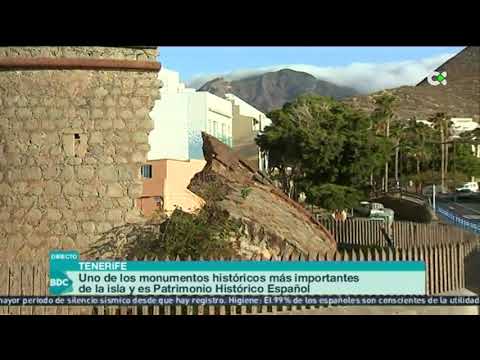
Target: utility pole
386,163
454,173
443,157
433,197
397,150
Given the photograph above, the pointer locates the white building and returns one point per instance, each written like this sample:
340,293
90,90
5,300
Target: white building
176,143
461,125
458,125
180,117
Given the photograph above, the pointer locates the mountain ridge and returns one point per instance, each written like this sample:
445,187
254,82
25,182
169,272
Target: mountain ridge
459,98
271,90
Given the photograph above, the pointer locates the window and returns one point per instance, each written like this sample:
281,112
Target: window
146,171
215,130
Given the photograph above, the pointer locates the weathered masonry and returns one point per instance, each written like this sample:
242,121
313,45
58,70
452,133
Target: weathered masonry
74,124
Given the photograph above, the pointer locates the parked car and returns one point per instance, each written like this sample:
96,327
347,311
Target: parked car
468,187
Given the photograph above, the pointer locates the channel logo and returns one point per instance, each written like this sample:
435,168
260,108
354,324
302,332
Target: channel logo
436,78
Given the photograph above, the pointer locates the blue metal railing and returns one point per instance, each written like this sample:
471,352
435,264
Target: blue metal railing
459,220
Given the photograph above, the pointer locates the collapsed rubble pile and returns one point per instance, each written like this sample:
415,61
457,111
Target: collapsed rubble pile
271,222
268,223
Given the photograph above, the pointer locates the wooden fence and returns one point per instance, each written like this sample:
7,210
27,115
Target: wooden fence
444,263
405,234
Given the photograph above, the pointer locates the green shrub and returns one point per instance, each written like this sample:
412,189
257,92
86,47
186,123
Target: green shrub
205,234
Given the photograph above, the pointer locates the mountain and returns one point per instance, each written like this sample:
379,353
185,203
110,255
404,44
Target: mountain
272,90
459,98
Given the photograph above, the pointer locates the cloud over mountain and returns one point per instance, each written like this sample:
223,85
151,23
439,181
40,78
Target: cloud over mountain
364,77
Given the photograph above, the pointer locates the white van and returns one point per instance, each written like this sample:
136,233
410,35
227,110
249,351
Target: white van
467,187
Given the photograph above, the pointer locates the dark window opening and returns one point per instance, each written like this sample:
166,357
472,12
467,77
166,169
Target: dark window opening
146,171
76,144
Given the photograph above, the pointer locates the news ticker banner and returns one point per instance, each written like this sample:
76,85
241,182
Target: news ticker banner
71,276
233,300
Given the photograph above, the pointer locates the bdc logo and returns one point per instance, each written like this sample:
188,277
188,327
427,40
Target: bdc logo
60,282
436,78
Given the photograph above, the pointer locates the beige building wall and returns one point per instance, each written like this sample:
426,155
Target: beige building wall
244,138
167,189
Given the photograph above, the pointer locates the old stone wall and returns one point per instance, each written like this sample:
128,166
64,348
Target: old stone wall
71,146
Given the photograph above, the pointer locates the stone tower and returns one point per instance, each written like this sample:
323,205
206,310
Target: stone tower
74,124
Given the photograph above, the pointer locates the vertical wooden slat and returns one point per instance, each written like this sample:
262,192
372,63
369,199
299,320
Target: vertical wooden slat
361,255
27,286
434,269
123,310
396,234
368,254
409,234
456,266
353,229
438,269
431,266
401,231
451,268
442,270
446,262
428,262
15,286
4,282
366,235
354,255
422,257
380,238
446,271
39,287
371,234
461,260
341,231
356,237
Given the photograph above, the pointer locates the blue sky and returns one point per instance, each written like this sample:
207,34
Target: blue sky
337,64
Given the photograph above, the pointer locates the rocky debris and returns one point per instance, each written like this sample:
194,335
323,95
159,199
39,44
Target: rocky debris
271,222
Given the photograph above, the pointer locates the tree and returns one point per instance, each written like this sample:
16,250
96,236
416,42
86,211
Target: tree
399,133
383,114
329,148
465,159
442,125
418,139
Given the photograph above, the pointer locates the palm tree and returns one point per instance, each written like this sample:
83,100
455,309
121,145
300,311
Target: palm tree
443,126
399,132
416,137
383,114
